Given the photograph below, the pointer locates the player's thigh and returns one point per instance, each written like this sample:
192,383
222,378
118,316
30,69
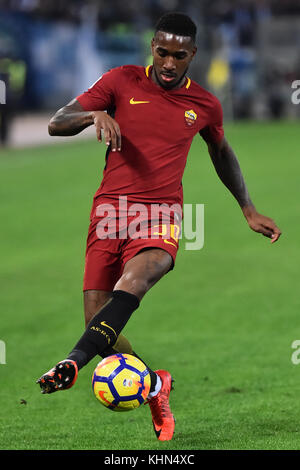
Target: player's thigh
143,270
93,300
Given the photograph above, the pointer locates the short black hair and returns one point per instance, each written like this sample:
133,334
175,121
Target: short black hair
177,23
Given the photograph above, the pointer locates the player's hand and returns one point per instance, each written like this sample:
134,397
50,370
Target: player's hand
262,224
111,130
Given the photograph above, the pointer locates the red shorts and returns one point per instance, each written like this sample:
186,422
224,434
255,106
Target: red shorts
115,239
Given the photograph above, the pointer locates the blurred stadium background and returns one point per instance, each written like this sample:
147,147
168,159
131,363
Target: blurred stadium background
248,54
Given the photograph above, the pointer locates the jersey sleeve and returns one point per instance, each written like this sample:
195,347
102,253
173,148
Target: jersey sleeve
214,131
101,96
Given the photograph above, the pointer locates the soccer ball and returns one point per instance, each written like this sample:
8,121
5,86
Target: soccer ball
121,382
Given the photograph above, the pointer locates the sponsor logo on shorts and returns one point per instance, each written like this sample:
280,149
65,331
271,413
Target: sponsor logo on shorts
170,243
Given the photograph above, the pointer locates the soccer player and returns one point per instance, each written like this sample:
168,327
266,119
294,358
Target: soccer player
147,118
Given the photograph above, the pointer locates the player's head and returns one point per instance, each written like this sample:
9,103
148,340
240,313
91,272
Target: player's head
173,48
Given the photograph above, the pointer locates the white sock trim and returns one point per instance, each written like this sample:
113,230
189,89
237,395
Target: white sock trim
157,387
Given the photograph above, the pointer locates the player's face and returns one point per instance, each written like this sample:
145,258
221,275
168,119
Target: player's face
172,56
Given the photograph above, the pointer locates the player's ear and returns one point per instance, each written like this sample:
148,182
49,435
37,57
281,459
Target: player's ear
152,45
194,51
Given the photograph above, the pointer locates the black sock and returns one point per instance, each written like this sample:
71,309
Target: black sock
153,376
105,327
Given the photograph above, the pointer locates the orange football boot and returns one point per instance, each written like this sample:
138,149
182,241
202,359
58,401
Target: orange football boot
60,377
162,418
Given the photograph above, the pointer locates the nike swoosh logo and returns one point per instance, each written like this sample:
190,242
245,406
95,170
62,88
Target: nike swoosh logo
137,102
103,323
156,432
170,243
101,395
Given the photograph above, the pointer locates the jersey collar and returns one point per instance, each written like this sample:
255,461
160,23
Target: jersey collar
148,72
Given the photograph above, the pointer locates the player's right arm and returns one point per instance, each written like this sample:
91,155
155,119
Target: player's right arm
74,117
70,120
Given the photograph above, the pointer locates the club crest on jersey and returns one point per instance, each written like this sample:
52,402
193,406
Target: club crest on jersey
190,117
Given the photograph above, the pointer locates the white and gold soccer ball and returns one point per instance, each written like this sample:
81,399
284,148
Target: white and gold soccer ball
121,382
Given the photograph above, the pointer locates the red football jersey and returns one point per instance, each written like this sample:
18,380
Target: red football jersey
157,128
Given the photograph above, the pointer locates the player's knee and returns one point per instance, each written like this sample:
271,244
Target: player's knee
134,284
139,285
143,271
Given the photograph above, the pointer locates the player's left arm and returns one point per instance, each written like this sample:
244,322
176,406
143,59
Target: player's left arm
229,171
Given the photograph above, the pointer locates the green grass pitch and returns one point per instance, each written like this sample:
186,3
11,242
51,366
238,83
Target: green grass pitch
222,322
